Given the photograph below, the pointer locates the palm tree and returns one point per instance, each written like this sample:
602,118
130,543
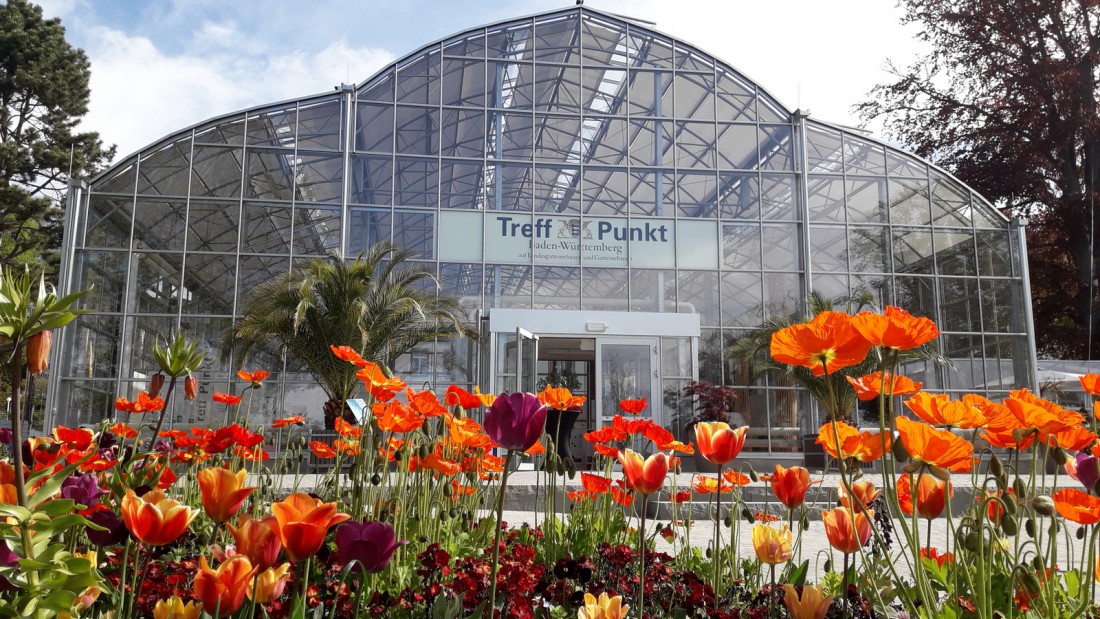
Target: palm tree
377,305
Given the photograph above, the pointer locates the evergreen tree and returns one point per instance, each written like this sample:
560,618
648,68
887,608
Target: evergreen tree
43,94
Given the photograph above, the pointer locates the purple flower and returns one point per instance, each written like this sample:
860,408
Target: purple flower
515,420
372,544
5,436
1085,468
115,533
84,489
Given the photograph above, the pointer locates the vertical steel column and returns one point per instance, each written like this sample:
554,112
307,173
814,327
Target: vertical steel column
1019,226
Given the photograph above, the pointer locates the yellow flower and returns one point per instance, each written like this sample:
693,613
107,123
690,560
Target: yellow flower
270,584
604,608
772,546
174,608
813,605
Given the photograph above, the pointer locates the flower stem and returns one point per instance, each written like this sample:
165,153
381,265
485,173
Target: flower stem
496,535
717,533
641,562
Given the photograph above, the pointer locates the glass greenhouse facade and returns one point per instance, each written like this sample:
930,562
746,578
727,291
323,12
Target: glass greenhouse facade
608,203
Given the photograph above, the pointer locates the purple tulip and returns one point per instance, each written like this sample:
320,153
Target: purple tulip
1085,468
372,544
115,533
84,489
515,420
5,436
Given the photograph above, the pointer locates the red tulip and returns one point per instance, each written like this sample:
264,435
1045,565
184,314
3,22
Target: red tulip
222,592
301,522
258,540
719,443
644,476
223,492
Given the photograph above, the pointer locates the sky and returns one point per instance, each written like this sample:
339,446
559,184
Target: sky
162,65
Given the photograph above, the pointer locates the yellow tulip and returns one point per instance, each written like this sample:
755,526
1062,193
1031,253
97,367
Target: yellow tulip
603,608
174,608
772,546
812,605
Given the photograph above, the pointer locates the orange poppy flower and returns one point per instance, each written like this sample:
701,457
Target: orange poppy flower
74,438
1075,437
827,342
790,485
487,399
222,592
123,431
719,443
606,434
227,398
1034,418
868,387
863,446
347,430
735,478
936,447
457,396
536,449
678,447
595,483
349,448
301,522
620,497
846,534
633,407
257,540
863,494
394,416
223,492
322,450
659,435
931,495
143,404
645,476
467,432
895,328
561,399
1090,383
256,377
436,462
579,496
285,422
705,484
425,403
941,410
154,519
347,353
1080,507
380,386
604,450
630,426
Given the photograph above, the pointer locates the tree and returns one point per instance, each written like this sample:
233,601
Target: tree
43,94
377,305
1007,100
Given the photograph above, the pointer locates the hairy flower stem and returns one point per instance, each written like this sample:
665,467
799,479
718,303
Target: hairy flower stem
17,453
496,535
163,413
641,562
717,533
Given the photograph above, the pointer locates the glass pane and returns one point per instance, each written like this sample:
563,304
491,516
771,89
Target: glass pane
216,172
603,43
557,288
320,178
379,90
651,143
105,272
418,80
416,182
626,372
826,199
109,221
955,252
463,185
512,41
603,91
863,157
824,153
652,193
828,249
371,180
782,241
652,290
650,93
208,284
469,45
212,226
604,289
697,194
415,231
648,50
866,200
698,293
463,133
208,332
512,137
316,231
374,128
266,228
737,148
993,253
902,164
417,130
273,127
95,346
1001,306
710,356
960,311
510,189
462,282
270,174
120,180
778,197
555,190
255,270
602,140
676,357
160,225
695,142
868,248
742,304
913,250
464,82
319,125
877,287
782,294
558,89
694,96
165,172
368,227
776,148
916,295
508,286
950,202
909,202
739,196
157,282
741,247
511,85
830,286
736,98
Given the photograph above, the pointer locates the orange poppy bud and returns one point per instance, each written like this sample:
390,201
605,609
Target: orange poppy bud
222,592
301,522
644,476
191,387
154,519
790,485
270,584
719,443
156,383
38,350
844,533
257,540
223,492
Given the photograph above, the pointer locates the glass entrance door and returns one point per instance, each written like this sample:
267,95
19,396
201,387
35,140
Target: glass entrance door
626,369
528,355
515,358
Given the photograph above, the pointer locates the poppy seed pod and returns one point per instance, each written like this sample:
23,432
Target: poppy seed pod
191,387
156,383
38,350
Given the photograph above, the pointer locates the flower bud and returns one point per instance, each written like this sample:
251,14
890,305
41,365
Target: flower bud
38,350
1059,456
1009,525
156,383
1044,505
1020,487
1009,503
996,466
1029,527
1080,533
1032,584
898,448
191,387
753,476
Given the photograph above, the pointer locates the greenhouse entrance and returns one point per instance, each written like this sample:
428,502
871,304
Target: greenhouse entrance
605,356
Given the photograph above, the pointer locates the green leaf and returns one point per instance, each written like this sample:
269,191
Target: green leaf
798,575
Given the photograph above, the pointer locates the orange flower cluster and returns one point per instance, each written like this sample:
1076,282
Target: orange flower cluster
143,404
842,441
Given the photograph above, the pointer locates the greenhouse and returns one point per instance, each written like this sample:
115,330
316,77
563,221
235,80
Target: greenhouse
612,207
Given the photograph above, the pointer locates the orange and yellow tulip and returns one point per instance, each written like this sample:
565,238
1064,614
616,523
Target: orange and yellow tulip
828,342
812,604
644,476
270,584
790,485
174,608
936,447
931,495
863,493
257,540
222,591
223,492
718,442
895,328
772,546
846,534
301,522
603,607
154,519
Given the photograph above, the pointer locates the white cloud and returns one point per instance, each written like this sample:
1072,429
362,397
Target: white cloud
141,94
